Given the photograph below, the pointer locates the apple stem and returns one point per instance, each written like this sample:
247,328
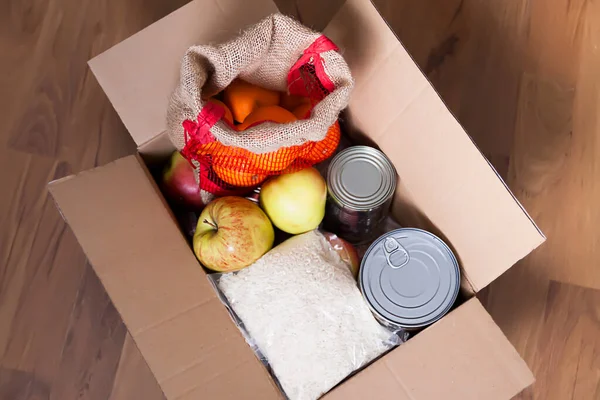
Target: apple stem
210,223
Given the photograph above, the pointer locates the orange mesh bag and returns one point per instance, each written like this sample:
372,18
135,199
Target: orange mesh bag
277,54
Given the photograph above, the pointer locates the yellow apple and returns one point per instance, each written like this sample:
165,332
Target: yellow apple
231,234
295,202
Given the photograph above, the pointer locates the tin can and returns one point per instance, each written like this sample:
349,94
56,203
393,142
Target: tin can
361,182
254,195
410,278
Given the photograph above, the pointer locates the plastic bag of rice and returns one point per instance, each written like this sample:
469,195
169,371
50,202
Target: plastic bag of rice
300,308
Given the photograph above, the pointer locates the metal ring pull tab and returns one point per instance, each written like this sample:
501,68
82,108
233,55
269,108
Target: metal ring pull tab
395,254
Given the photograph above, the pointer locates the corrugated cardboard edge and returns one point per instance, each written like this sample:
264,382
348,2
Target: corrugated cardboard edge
129,342
419,133
156,284
463,356
474,143
543,236
133,378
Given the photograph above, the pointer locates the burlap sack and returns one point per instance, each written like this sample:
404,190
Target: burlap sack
264,54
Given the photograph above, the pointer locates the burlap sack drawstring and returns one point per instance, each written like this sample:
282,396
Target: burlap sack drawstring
278,53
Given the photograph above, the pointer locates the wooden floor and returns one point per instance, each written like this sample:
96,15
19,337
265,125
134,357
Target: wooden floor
522,76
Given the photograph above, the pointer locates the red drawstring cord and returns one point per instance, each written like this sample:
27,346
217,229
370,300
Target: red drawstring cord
197,133
312,55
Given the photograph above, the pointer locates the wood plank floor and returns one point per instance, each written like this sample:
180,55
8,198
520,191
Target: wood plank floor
522,76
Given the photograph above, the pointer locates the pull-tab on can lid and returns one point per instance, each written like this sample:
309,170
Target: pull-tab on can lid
409,277
361,178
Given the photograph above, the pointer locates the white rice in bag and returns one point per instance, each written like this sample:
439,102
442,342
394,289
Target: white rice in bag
301,307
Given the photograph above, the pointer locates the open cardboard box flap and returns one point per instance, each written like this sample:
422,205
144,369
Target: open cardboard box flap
155,282
446,186
139,74
193,347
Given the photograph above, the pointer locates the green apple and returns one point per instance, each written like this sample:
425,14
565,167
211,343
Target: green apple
231,234
295,202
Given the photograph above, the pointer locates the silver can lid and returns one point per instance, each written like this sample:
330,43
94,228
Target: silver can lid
361,178
409,277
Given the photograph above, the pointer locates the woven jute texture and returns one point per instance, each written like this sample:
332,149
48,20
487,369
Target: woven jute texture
263,55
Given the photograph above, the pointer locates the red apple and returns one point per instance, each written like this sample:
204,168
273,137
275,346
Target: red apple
179,183
231,234
345,250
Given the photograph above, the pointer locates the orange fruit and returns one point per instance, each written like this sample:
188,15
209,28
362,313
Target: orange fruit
291,102
325,148
243,98
237,176
269,113
302,111
278,160
211,148
227,116
232,164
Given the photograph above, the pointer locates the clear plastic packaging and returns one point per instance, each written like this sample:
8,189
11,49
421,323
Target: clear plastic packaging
300,309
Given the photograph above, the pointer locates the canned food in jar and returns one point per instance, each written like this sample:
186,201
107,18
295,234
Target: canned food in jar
361,182
410,278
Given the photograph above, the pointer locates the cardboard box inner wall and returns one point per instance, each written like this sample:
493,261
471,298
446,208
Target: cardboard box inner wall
446,186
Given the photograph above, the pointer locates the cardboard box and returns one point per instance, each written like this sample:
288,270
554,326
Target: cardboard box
181,328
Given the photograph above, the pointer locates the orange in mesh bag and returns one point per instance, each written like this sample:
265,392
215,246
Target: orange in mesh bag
277,54
241,168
